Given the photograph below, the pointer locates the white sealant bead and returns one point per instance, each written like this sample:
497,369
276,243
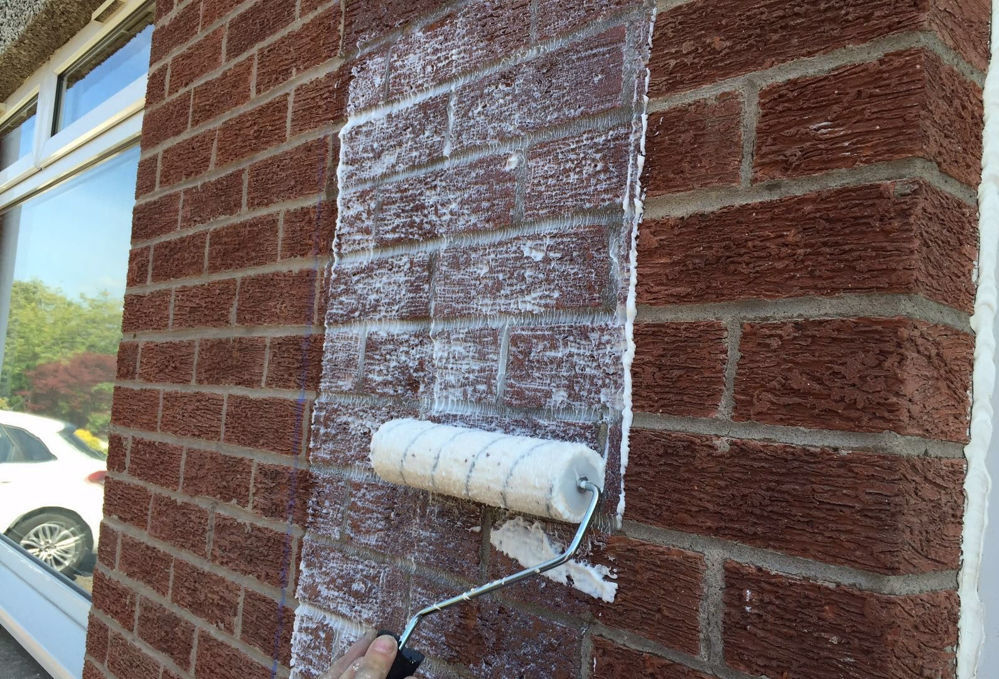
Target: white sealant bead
523,474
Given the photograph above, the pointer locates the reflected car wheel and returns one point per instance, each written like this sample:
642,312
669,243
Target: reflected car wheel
59,540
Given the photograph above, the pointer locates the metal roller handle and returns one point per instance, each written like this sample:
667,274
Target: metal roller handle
584,486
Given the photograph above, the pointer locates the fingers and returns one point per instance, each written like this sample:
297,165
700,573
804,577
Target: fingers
377,660
353,653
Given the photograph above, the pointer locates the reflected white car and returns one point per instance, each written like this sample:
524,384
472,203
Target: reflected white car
51,489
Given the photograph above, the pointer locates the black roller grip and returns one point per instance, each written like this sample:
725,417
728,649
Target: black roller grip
407,661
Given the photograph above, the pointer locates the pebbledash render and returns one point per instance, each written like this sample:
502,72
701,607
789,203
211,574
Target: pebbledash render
729,244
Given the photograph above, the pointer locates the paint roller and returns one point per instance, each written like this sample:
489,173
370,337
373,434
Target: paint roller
552,479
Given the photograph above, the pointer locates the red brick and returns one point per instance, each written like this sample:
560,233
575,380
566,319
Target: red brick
145,180
107,546
693,44
213,199
296,173
222,477
182,524
906,104
465,364
320,102
117,452
179,258
537,273
694,146
295,362
611,661
282,492
208,595
126,502
218,660
166,121
340,361
679,368
114,599
396,363
127,361
393,287
145,563
253,550
156,217
135,408
859,375
308,231
245,244
435,531
252,132
138,266
565,366
267,625
279,298
274,424
342,430
156,85
167,362
398,141
478,196
223,93
155,462
163,7
882,513
261,20
91,671
166,631
97,638
232,361
556,17
208,305
194,414
196,61
461,41
178,30
213,11
146,312
125,659
781,626
551,89
312,44
598,164
895,237
187,158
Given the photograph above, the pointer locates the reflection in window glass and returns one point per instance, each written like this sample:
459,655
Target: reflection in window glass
106,70
17,134
70,249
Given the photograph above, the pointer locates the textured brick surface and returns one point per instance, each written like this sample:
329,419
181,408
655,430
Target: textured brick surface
611,661
875,512
906,104
858,374
679,368
207,595
894,237
777,625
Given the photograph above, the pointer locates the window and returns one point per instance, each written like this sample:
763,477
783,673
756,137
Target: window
68,164
17,135
106,70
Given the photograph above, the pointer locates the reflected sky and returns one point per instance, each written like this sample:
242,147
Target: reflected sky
76,236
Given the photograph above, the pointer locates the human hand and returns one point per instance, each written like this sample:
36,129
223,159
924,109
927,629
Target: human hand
368,658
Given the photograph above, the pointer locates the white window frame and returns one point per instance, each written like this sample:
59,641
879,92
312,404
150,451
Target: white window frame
46,614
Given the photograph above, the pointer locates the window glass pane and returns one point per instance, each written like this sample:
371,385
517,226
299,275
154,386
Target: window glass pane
17,134
70,248
105,70
31,449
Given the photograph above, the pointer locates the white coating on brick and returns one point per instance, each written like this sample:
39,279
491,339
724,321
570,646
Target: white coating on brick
977,483
528,544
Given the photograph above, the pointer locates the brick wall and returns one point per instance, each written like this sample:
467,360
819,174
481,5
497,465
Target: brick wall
793,489
804,349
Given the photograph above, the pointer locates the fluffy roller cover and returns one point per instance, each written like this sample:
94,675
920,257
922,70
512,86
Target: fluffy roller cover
533,476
